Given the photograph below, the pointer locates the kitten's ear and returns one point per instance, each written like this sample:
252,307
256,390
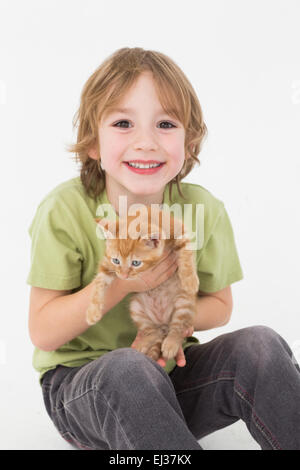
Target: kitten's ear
153,240
106,227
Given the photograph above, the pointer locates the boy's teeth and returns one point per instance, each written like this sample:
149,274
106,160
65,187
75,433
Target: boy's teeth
144,165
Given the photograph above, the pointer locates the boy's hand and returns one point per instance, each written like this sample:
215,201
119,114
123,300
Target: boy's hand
180,357
152,277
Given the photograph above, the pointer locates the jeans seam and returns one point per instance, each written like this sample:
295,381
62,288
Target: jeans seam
95,389
212,381
223,373
245,397
75,441
66,403
257,421
116,418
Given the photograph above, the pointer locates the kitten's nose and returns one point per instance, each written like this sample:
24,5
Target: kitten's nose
123,275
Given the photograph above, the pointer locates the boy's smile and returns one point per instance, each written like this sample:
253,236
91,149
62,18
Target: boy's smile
140,146
144,167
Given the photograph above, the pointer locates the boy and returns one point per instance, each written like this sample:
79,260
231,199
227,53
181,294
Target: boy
137,108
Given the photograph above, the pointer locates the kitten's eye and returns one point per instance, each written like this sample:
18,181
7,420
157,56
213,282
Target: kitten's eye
115,260
135,262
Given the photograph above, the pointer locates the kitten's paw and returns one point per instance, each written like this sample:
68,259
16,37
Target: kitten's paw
142,346
169,348
93,314
149,349
154,352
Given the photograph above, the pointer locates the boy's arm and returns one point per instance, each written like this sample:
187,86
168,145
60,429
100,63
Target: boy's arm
213,309
56,317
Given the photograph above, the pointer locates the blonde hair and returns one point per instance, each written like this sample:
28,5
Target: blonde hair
107,86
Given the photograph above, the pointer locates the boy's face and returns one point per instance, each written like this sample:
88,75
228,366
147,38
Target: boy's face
140,135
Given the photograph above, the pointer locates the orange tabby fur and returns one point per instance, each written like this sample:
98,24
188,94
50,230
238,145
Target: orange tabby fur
165,312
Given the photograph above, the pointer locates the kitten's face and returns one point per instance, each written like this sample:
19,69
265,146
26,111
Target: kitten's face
128,258
134,244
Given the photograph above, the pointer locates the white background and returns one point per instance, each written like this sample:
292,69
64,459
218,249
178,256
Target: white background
242,57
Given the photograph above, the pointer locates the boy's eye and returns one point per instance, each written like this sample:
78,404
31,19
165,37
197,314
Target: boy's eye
115,260
167,122
135,262
120,122
163,122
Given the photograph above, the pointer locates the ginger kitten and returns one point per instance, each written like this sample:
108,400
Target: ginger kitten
165,312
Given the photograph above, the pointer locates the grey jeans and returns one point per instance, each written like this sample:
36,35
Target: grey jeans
124,400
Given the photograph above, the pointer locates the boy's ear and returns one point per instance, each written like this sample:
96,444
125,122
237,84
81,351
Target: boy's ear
93,153
106,227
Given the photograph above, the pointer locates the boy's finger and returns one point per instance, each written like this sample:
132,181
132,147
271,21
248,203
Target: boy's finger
189,331
137,339
180,358
161,362
168,254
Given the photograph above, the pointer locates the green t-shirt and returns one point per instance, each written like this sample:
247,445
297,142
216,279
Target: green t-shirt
66,251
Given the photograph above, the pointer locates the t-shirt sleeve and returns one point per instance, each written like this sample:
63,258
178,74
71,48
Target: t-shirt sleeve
218,262
56,261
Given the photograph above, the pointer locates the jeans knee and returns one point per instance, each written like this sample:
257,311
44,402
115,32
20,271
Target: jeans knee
124,366
262,333
259,343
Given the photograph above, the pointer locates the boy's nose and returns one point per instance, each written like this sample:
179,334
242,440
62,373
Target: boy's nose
146,142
